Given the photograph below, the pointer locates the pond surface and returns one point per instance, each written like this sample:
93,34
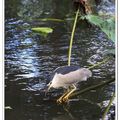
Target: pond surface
30,58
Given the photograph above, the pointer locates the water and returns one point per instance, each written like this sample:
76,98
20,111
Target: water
30,58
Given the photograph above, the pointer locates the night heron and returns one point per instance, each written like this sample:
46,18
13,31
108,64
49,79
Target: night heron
68,76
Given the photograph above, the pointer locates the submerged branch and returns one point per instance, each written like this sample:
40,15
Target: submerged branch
92,87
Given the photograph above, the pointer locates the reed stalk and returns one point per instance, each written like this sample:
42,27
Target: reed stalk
72,36
108,107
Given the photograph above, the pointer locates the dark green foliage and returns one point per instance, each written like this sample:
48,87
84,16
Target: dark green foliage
107,25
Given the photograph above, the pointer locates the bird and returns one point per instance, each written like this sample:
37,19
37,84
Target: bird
68,77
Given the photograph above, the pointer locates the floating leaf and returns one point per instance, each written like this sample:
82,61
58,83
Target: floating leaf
43,30
106,25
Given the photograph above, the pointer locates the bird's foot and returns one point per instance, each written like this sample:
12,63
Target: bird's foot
59,100
65,99
62,100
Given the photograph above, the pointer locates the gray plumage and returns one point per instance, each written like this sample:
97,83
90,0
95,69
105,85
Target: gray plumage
63,70
68,75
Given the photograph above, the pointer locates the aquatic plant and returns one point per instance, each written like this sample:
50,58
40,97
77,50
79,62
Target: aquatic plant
107,25
72,36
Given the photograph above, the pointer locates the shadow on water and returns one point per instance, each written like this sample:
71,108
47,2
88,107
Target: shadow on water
30,58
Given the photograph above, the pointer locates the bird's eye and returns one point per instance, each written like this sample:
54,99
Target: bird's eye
50,83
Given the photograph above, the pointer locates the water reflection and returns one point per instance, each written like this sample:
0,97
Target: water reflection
22,52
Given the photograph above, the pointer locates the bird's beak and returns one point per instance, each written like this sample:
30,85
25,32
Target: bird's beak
48,89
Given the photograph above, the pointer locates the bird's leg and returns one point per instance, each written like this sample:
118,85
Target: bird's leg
61,98
65,98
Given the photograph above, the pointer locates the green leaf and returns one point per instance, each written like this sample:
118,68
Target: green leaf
43,30
105,24
96,20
